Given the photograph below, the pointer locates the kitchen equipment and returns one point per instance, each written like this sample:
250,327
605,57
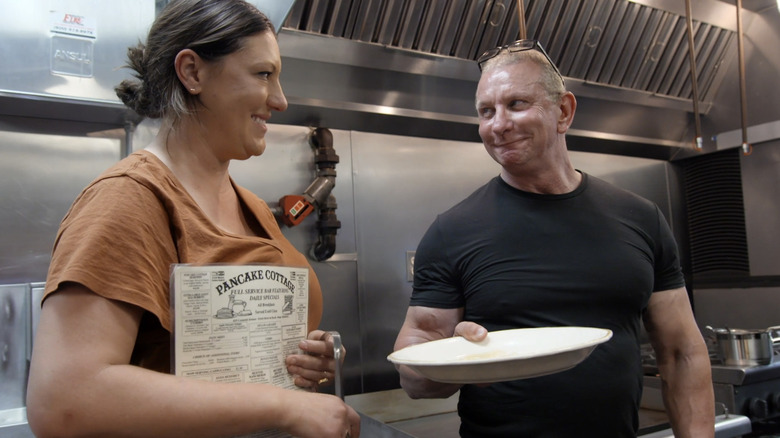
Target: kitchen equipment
14,346
743,347
14,321
502,355
726,426
752,391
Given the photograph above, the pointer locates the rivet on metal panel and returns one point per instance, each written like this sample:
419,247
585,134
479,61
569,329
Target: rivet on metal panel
497,15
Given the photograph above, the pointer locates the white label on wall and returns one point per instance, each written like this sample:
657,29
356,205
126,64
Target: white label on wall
73,24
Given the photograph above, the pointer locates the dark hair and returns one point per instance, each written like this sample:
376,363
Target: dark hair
211,28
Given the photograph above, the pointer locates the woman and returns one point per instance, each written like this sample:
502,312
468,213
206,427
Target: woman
210,70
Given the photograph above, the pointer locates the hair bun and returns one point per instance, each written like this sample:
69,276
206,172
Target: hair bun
134,93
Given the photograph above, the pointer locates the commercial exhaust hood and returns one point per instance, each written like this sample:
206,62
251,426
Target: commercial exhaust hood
615,43
404,66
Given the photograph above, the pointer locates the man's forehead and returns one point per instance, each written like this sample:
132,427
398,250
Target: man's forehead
516,74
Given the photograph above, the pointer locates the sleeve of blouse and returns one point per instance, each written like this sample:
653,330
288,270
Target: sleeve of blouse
116,240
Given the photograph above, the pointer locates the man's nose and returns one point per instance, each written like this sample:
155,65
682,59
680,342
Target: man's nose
501,122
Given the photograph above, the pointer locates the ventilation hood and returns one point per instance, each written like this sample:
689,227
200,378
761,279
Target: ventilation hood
615,43
407,66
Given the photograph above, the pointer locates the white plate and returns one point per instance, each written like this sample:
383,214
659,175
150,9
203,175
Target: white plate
503,355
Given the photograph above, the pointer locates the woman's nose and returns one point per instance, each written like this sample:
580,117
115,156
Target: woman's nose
276,99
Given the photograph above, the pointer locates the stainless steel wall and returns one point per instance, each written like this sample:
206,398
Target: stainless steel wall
401,184
753,307
287,167
760,180
40,175
756,306
388,189
69,48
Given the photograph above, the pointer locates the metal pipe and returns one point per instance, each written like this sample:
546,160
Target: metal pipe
746,148
694,84
321,139
521,34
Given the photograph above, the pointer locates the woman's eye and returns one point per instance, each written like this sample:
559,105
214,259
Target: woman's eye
265,74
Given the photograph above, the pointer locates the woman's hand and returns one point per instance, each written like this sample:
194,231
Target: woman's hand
316,367
323,415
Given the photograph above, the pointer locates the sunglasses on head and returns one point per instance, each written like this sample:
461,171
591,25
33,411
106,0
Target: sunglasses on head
518,46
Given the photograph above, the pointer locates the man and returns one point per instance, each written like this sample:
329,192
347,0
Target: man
542,245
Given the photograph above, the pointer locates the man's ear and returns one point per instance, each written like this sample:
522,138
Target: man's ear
188,68
568,106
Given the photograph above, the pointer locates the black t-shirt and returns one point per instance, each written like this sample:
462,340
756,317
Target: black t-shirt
514,259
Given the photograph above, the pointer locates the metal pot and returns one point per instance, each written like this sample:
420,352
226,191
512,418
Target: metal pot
741,347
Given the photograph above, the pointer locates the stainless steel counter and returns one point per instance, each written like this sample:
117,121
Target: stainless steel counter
13,424
438,418
416,418
370,427
391,414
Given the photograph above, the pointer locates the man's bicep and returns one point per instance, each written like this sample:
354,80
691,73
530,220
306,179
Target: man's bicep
669,319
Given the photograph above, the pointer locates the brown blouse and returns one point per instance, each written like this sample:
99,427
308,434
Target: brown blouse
125,230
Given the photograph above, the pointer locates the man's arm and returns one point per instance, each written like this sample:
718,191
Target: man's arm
424,324
683,362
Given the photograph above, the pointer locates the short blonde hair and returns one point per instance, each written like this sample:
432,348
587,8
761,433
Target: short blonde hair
549,78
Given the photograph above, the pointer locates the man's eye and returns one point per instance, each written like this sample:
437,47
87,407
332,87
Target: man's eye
518,103
265,74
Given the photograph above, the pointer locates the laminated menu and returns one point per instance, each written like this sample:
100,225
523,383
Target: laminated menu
237,323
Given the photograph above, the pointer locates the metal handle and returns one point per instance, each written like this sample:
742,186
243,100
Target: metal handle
772,330
337,350
724,409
